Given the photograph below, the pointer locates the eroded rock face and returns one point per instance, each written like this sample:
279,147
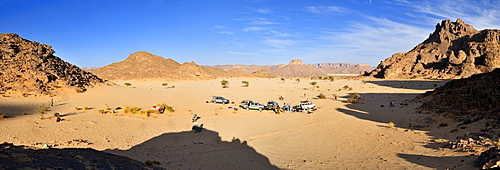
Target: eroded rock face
454,50
31,68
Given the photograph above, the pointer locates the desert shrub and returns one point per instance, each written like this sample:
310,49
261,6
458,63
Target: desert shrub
321,96
135,110
283,80
391,125
297,80
77,108
352,100
170,109
363,81
153,111
345,87
127,84
86,108
313,84
440,141
245,83
3,116
43,110
350,88
101,111
25,113
126,110
331,78
164,84
108,108
150,163
444,124
224,83
57,115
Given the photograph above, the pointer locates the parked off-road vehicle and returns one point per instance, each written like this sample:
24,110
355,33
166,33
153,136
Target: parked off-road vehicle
219,99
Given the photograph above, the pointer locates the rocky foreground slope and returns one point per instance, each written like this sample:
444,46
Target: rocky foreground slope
30,68
146,66
478,94
454,50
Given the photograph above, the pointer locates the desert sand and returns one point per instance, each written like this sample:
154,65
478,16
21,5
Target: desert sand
338,135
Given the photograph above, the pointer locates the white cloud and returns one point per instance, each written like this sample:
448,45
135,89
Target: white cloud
238,53
279,43
480,14
219,27
226,32
263,10
324,9
254,29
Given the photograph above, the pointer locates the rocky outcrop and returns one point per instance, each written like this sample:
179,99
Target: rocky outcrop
476,94
30,68
454,50
146,66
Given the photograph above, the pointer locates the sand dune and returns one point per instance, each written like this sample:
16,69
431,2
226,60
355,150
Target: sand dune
336,136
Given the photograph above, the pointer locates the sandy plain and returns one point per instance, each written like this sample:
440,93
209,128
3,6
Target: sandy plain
338,135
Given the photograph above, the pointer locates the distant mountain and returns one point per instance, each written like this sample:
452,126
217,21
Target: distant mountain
454,50
30,68
145,66
296,68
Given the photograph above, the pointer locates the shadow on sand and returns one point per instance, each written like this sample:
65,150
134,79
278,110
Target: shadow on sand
204,150
372,101
411,84
12,111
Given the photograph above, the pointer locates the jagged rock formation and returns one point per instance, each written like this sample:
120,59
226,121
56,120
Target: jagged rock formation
454,50
296,68
145,66
476,94
22,157
30,68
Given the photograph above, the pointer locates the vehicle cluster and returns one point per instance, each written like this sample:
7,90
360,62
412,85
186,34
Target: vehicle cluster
302,106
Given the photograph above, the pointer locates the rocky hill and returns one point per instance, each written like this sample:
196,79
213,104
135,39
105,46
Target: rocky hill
479,93
296,68
30,68
454,50
145,66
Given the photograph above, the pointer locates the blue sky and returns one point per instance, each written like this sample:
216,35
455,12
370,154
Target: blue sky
96,33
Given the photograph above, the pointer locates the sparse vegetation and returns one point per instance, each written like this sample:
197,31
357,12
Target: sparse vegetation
282,80
43,110
150,163
164,85
86,108
354,98
443,124
127,84
313,84
101,111
57,115
363,81
245,83
440,141
346,87
331,78
77,108
391,125
297,80
224,83
321,96
3,116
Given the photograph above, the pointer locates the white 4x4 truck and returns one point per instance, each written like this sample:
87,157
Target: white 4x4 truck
305,105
